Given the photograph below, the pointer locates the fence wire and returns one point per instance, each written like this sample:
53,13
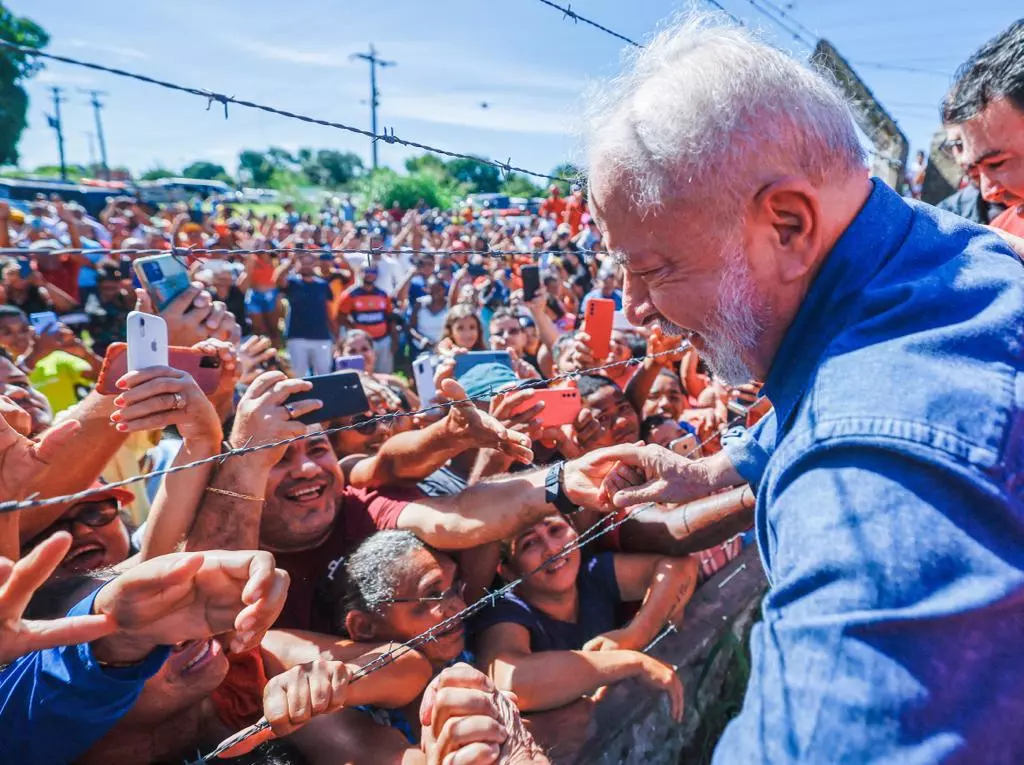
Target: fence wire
602,527
189,251
32,502
212,97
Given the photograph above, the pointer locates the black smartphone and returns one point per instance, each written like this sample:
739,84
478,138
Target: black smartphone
341,392
531,281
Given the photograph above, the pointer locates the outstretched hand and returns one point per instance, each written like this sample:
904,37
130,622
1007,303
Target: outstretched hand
638,474
18,583
23,462
479,430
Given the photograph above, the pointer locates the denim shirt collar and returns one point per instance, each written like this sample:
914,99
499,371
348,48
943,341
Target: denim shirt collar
874,236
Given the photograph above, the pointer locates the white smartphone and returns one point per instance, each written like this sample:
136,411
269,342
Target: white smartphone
147,341
423,373
686,446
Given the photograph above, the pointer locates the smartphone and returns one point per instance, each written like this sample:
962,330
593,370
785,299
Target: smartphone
350,362
44,322
423,369
686,446
164,278
25,268
341,392
205,369
598,318
561,406
466,361
147,341
531,281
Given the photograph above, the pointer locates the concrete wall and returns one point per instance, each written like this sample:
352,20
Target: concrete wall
631,724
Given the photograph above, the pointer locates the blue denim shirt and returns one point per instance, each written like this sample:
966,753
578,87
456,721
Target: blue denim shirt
890,513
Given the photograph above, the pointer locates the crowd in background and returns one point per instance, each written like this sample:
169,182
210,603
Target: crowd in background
191,605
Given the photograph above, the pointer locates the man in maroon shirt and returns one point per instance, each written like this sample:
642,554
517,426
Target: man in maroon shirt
298,503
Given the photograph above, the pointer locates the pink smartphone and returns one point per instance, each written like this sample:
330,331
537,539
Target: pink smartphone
561,406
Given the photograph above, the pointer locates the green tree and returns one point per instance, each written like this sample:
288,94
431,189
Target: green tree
206,171
427,163
53,171
14,69
342,167
156,173
571,172
520,186
387,187
254,167
481,177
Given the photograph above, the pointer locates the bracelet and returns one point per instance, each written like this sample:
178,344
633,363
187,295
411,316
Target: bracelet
235,494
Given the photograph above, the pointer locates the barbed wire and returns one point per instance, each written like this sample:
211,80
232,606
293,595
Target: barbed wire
26,504
20,251
388,136
605,525
569,13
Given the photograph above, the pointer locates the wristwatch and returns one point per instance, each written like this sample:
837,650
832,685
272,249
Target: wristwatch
554,490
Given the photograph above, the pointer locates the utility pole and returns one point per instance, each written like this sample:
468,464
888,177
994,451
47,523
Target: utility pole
374,62
55,123
92,149
96,106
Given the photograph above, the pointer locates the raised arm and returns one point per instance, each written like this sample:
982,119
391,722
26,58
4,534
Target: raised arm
415,454
552,679
665,585
231,508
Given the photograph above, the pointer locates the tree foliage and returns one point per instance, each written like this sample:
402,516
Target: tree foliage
483,178
156,173
206,171
521,186
15,68
387,187
571,172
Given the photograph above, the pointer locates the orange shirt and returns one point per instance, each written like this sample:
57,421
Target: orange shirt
574,210
553,206
261,278
1010,220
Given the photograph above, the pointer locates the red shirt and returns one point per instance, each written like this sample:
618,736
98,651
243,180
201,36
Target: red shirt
368,309
1010,220
62,274
361,512
553,206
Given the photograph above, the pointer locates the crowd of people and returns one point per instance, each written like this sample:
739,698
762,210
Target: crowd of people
149,622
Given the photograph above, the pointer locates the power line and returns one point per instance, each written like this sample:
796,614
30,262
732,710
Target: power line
569,13
387,135
898,68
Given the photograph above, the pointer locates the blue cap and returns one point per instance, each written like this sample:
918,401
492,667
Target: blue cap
487,380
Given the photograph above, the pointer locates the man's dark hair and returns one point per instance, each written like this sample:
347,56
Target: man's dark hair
12,311
589,384
996,70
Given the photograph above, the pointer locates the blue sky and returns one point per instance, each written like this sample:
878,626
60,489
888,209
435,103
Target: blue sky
519,56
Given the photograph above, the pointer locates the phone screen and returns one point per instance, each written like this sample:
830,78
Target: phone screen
44,322
164,278
531,281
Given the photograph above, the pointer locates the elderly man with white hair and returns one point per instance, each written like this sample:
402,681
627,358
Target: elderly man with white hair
729,180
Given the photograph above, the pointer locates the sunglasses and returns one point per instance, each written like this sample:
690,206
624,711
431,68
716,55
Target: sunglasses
95,515
361,423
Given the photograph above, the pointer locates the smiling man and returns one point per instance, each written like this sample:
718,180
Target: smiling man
890,510
986,104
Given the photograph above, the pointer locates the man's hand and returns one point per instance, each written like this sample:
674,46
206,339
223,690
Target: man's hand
661,677
479,430
252,354
467,722
658,342
263,416
18,583
295,697
193,316
659,475
224,397
586,478
22,460
518,411
191,596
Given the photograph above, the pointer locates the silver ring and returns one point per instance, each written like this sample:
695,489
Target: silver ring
179,401
288,408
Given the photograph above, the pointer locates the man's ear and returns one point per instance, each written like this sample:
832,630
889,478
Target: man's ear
360,626
791,208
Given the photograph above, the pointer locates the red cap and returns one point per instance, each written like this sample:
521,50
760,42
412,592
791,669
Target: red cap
123,496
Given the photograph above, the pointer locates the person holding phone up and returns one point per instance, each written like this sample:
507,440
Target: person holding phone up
309,328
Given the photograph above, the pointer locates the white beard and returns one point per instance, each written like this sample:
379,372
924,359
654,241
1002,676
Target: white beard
733,326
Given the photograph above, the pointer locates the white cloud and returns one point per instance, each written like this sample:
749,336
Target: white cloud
49,77
290,55
115,50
